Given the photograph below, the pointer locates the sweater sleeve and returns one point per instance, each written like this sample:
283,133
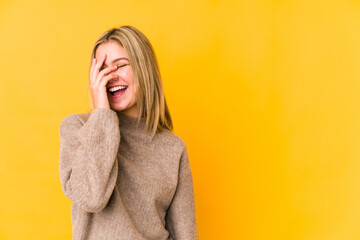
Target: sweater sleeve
88,158
181,217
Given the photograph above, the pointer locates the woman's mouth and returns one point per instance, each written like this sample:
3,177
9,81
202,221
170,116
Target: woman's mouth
116,92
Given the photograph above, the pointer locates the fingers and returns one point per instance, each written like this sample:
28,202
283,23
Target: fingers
105,72
98,66
92,69
108,77
96,76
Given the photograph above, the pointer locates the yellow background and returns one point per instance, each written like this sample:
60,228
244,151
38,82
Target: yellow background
264,93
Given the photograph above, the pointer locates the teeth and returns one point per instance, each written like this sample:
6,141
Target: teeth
113,89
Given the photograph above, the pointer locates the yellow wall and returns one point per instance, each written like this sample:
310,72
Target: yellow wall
264,93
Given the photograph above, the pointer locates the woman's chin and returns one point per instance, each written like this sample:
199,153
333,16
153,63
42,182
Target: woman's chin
117,107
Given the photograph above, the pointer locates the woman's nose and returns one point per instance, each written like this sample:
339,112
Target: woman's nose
114,78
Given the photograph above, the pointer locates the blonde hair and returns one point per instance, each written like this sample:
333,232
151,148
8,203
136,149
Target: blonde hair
149,91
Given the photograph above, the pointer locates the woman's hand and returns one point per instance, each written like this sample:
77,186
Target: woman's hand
98,81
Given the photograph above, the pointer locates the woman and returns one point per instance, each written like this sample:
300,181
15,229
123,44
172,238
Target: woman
127,174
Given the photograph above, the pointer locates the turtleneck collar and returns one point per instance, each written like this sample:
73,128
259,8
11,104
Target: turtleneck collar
125,120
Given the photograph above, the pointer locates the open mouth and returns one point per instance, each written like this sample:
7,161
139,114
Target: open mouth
116,91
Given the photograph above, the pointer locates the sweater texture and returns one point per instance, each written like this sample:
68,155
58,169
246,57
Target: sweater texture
122,186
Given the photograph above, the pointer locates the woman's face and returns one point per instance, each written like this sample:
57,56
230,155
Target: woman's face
123,101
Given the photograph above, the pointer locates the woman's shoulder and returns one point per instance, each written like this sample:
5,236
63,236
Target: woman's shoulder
75,118
84,116
171,138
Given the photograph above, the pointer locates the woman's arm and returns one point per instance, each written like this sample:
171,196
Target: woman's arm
181,217
88,158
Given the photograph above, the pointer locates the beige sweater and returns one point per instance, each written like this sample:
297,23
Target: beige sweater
121,185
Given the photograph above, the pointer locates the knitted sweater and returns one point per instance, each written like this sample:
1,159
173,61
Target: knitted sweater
122,186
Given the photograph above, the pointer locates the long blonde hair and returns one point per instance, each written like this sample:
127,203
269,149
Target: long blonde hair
150,96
